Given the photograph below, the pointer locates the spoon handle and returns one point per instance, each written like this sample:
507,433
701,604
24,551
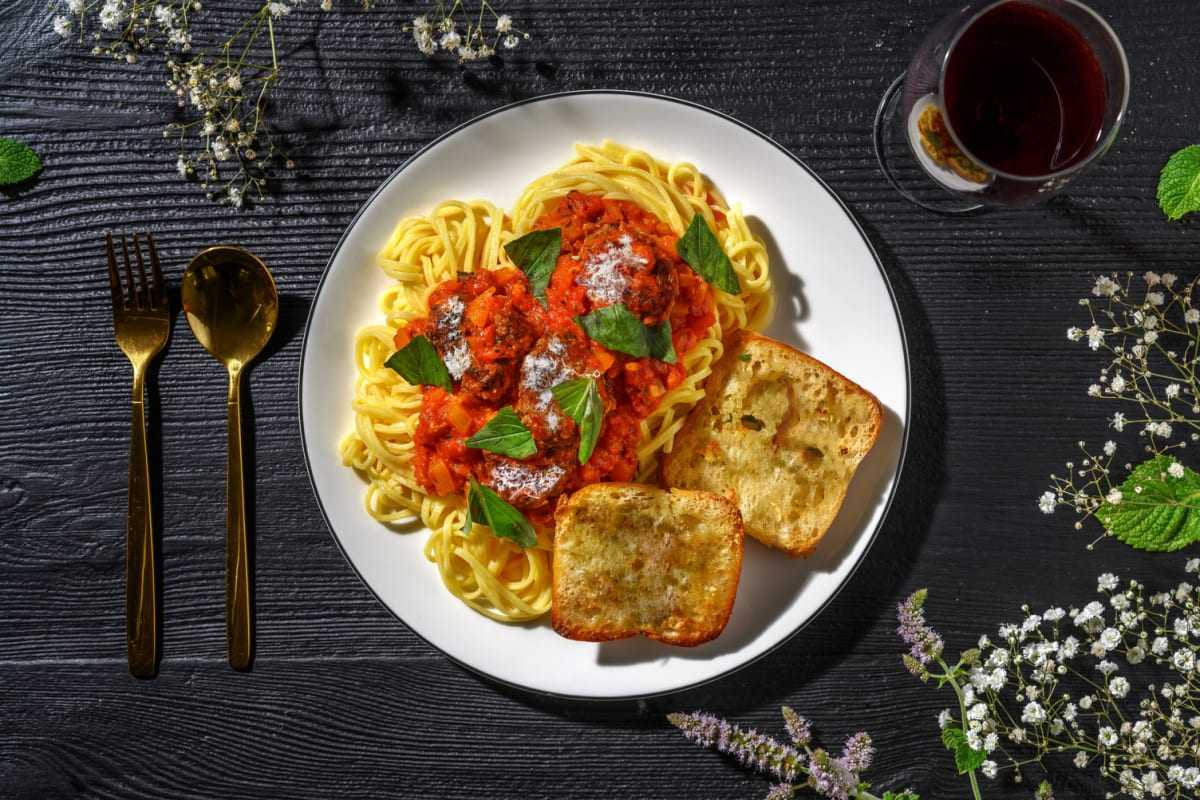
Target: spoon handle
141,591
237,553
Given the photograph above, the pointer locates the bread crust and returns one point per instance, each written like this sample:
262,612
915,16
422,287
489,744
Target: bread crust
634,559
780,434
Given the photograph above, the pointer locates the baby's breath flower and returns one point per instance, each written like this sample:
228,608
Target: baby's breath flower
1053,692
1150,340
1105,287
468,34
224,95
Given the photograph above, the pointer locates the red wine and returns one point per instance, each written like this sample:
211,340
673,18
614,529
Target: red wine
1024,92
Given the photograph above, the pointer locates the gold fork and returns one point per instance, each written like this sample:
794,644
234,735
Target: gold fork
142,321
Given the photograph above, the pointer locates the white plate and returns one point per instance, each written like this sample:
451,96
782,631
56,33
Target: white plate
834,302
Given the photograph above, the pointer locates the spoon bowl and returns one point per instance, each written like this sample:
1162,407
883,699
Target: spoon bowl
232,306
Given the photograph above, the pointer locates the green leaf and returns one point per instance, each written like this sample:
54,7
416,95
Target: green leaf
535,254
700,249
580,400
1158,511
965,758
419,364
506,435
618,328
485,507
900,796
18,162
1179,183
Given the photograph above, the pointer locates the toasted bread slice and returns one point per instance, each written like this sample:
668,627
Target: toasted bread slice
781,435
633,559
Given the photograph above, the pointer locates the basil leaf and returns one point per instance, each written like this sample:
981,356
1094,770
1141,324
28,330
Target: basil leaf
419,364
485,507
506,435
700,249
535,254
580,400
617,328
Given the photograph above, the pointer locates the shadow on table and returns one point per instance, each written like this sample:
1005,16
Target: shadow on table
866,600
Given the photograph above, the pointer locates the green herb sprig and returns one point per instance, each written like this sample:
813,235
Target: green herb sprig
18,162
1179,183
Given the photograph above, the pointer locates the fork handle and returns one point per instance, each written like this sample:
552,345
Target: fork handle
141,591
237,551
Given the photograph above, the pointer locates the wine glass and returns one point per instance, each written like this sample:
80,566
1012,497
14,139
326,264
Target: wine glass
1004,103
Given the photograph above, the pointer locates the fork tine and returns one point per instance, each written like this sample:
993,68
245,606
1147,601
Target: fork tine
114,277
135,300
158,293
144,294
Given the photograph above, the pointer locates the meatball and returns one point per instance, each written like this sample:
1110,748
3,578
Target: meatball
622,267
556,357
481,337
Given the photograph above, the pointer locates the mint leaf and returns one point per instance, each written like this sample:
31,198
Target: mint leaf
485,507
580,400
506,435
900,796
18,162
966,759
700,249
535,254
618,328
419,364
1179,183
1158,511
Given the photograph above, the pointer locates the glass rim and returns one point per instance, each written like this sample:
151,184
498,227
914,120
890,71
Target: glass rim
1102,144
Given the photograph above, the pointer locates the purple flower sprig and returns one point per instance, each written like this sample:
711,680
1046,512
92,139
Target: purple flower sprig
925,645
793,766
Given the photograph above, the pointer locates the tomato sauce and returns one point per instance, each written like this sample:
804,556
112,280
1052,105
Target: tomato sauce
503,348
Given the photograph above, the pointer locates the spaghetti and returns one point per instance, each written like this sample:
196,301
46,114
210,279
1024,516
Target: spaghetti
430,258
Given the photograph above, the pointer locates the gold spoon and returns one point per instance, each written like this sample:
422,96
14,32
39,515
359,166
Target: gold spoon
232,306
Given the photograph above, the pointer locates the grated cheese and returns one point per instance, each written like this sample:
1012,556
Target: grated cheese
457,357
605,275
522,479
542,372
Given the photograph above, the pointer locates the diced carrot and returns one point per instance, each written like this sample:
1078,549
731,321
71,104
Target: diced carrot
443,482
458,416
478,313
605,358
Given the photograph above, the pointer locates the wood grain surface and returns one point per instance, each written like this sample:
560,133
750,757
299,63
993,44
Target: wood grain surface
344,701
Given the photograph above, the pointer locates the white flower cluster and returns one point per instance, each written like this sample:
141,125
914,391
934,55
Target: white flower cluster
126,28
225,141
439,30
1061,681
1153,344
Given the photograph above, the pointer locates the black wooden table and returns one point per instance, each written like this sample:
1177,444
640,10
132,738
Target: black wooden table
344,701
